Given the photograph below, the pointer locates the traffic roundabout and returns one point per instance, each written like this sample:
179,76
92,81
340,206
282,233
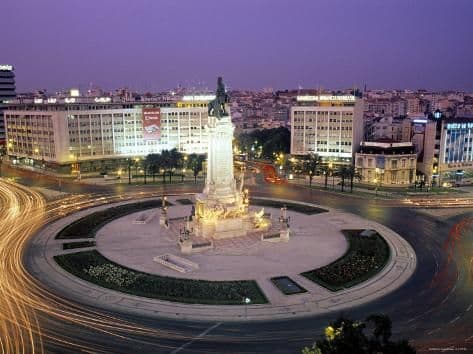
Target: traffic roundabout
112,264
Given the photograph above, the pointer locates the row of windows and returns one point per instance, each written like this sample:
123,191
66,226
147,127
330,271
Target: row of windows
332,113
371,162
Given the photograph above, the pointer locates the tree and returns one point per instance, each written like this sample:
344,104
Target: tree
165,163
195,163
311,166
175,161
268,141
347,336
153,162
326,171
352,173
145,169
343,173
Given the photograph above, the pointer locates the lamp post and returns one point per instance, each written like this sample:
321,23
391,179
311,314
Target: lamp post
77,164
184,166
129,169
36,151
378,179
247,301
137,162
330,166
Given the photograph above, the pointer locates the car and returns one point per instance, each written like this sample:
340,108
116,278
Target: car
152,128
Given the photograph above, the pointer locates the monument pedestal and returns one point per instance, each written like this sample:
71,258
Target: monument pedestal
284,235
222,208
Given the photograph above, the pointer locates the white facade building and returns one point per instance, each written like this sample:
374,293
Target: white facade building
330,126
62,131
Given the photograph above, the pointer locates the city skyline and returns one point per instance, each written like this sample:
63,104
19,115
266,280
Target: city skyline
283,45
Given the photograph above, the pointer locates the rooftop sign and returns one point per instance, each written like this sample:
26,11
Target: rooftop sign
103,99
74,92
198,98
459,125
6,67
320,98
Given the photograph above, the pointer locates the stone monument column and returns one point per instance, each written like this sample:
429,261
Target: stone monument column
220,182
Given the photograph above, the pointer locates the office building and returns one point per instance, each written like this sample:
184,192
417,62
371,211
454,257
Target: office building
456,150
7,92
59,131
330,126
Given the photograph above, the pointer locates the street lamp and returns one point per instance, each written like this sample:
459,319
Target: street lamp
330,166
247,301
129,169
378,178
77,164
137,161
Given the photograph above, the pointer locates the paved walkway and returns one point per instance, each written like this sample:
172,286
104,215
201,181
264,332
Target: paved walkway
317,300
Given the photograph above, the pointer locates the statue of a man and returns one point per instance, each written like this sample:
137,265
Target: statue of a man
217,105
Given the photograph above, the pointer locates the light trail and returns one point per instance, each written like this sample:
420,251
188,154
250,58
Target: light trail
22,298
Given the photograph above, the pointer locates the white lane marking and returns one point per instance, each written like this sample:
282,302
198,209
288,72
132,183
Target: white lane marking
466,340
432,331
203,334
455,319
469,308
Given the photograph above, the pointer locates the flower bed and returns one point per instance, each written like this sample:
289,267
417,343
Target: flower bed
82,244
87,226
93,267
366,256
300,208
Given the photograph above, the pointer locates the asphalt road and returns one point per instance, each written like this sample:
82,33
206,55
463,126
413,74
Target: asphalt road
433,309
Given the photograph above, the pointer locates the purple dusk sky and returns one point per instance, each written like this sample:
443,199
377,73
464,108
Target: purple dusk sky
158,44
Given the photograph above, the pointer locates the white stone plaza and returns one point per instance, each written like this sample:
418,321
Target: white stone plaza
317,242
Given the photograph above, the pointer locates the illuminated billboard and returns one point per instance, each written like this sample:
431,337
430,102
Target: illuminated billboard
151,123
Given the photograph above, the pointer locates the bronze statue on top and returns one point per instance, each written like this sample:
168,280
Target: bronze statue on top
217,105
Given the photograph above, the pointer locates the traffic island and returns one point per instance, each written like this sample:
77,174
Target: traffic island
120,273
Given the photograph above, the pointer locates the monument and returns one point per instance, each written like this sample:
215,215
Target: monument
222,209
